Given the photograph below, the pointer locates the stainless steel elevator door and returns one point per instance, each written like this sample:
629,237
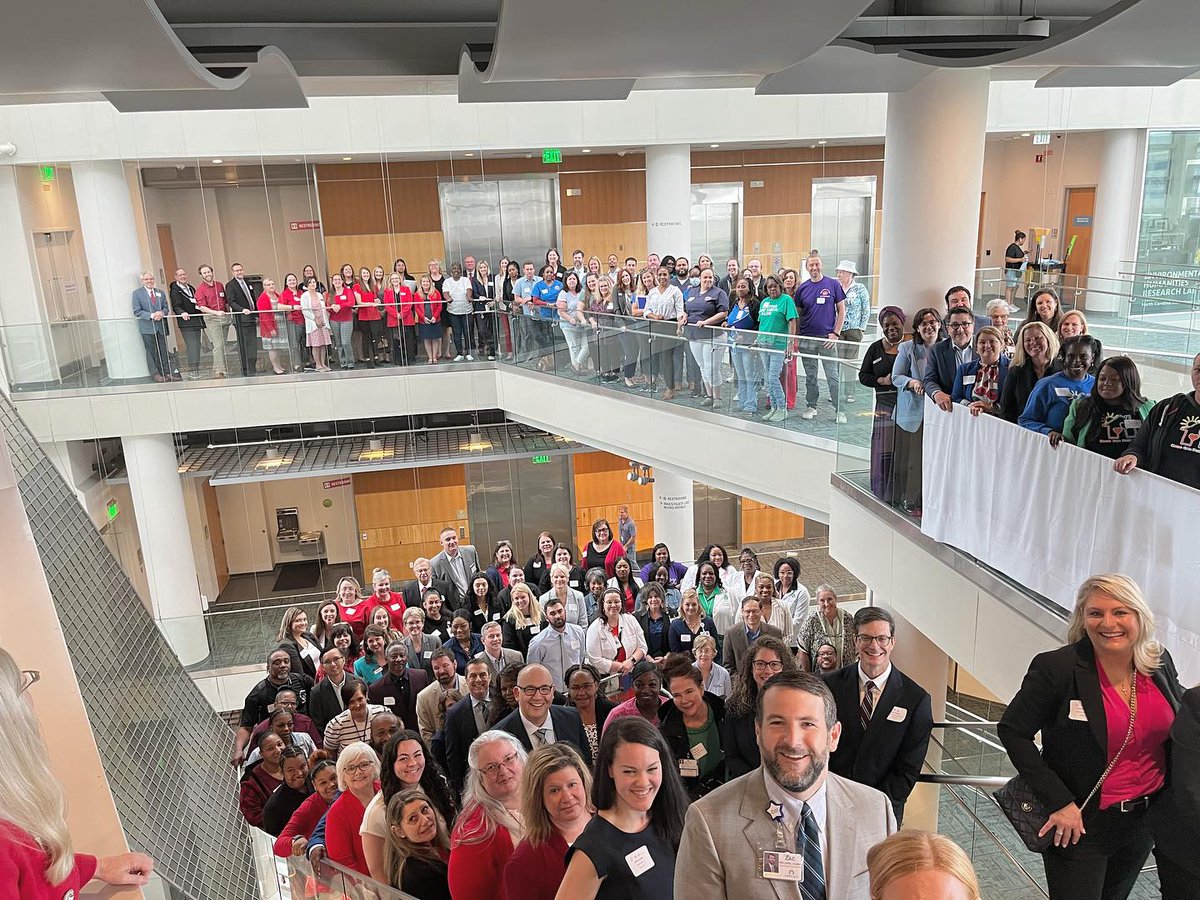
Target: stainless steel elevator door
489,219
515,500
716,222
843,221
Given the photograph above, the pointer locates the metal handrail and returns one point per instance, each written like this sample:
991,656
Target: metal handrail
976,781
965,724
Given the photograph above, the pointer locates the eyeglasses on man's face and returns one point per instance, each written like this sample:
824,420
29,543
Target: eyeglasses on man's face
533,689
865,640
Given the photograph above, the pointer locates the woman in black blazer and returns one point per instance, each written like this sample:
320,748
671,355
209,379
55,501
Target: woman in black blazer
301,647
1175,817
1078,697
737,730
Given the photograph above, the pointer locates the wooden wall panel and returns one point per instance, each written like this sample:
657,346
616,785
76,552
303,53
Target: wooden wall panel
413,204
382,249
601,488
624,239
765,524
402,512
353,207
356,199
793,233
607,197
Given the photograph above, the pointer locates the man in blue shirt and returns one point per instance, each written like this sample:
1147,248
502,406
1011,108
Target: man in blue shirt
524,312
821,303
545,302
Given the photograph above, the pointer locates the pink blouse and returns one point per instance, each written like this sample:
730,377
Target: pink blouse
1142,767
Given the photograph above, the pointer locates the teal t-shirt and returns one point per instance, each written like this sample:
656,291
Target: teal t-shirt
774,313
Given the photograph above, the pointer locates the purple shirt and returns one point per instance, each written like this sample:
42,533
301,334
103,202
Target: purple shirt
817,302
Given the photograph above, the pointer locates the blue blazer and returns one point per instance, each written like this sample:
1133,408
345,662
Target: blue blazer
144,305
939,372
963,388
910,407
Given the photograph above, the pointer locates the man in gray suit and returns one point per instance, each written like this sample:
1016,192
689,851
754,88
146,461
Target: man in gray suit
496,656
814,827
151,310
456,566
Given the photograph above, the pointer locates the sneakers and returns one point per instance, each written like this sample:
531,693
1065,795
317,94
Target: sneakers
810,413
841,418
848,399
459,358
470,358
777,415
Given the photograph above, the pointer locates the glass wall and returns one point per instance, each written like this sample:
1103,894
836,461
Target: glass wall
1168,255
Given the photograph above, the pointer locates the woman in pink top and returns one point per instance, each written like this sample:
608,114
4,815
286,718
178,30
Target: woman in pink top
647,695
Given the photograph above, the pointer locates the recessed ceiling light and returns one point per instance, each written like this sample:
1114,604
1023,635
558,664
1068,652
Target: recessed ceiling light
347,158
822,142
217,162
1024,134
586,150
714,146
529,156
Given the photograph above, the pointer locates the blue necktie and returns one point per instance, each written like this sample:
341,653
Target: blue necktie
808,845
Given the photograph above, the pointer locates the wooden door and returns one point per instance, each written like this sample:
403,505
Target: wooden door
216,536
166,247
1081,205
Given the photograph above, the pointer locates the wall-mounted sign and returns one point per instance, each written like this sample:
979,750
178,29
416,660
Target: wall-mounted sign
1082,221
551,156
1041,137
335,483
541,458
111,509
47,173
310,225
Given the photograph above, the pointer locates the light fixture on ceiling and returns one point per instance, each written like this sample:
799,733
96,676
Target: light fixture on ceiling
468,154
375,451
1034,26
475,441
217,162
1024,134
585,150
347,158
273,458
714,146
822,143
639,473
529,156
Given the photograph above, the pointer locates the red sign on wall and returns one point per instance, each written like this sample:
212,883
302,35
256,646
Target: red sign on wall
1040,158
335,483
310,225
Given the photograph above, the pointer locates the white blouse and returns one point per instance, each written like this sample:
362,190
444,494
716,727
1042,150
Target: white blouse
601,646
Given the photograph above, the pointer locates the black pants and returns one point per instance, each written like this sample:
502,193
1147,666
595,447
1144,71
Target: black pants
1177,883
191,340
247,341
156,354
372,331
1105,863
666,360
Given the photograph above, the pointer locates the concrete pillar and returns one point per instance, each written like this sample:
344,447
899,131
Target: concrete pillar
673,523
931,187
28,348
114,258
1116,217
166,545
927,664
31,632
669,200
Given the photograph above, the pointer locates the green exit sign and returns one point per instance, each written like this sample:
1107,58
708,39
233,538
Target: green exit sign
47,173
112,509
551,155
542,458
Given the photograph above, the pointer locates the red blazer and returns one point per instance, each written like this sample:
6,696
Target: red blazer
287,297
435,303
360,616
399,306
395,608
266,316
536,873
302,824
23,868
343,843
366,311
476,870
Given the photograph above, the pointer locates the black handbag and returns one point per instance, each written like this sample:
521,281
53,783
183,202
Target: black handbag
1025,810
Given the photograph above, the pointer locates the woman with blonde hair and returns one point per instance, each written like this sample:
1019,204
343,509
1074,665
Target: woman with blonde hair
417,849
39,857
555,792
298,642
1034,359
1104,705
524,619
909,865
353,608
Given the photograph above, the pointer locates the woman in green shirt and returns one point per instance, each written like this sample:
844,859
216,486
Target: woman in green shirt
776,316
1106,420
691,723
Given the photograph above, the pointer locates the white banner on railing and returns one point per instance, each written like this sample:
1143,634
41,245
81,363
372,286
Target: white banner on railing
1049,518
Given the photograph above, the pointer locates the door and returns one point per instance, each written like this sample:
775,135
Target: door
717,222
843,220
216,536
489,219
514,500
715,518
1077,231
166,249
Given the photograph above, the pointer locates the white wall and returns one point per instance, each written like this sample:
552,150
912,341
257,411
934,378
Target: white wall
51,207
248,520
197,518
1022,193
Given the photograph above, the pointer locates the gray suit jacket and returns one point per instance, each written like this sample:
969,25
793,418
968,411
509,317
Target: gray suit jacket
507,658
725,831
442,571
736,644
143,307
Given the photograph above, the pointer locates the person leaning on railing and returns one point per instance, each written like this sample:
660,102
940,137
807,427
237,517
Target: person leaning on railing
1168,443
1048,404
1106,420
1082,697
979,383
908,377
876,373
1033,360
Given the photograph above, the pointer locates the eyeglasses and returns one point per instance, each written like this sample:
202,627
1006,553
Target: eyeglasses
507,762
530,690
956,326
365,766
762,665
866,640
29,677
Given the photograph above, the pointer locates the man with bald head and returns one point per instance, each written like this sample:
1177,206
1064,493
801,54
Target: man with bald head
414,591
536,721
383,726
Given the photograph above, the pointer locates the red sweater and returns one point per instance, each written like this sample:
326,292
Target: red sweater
288,297
23,868
367,310
476,870
344,301
357,616
302,823
257,785
536,873
343,843
394,605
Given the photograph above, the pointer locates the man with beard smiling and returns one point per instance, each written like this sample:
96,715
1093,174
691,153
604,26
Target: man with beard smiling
814,827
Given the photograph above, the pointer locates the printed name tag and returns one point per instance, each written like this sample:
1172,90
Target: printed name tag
495,617
574,582
968,379
1076,713
820,300
685,638
479,612
699,752
534,629
639,861
780,866
574,645
876,362
689,768
1064,392
898,714
389,701
395,607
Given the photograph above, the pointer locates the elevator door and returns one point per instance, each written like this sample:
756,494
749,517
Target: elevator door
716,222
489,219
843,216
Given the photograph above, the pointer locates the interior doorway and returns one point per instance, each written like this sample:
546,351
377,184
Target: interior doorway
1077,228
717,222
843,220
517,218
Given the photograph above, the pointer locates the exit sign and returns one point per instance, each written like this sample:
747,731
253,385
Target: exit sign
112,509
542,458
47,173
551,155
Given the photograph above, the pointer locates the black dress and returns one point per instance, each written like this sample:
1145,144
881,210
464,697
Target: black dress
426,879
615,856
876,364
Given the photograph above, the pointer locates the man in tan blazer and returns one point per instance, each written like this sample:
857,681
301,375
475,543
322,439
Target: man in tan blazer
828,823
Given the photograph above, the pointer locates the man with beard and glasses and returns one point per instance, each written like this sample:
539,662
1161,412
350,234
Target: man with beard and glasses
790,828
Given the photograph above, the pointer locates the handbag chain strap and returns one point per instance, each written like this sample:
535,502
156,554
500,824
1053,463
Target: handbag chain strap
1124,744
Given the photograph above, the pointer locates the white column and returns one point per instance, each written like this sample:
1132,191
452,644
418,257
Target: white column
931,186
927,664
669,200
1116,216
27,345
166,546
673,522
114,261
